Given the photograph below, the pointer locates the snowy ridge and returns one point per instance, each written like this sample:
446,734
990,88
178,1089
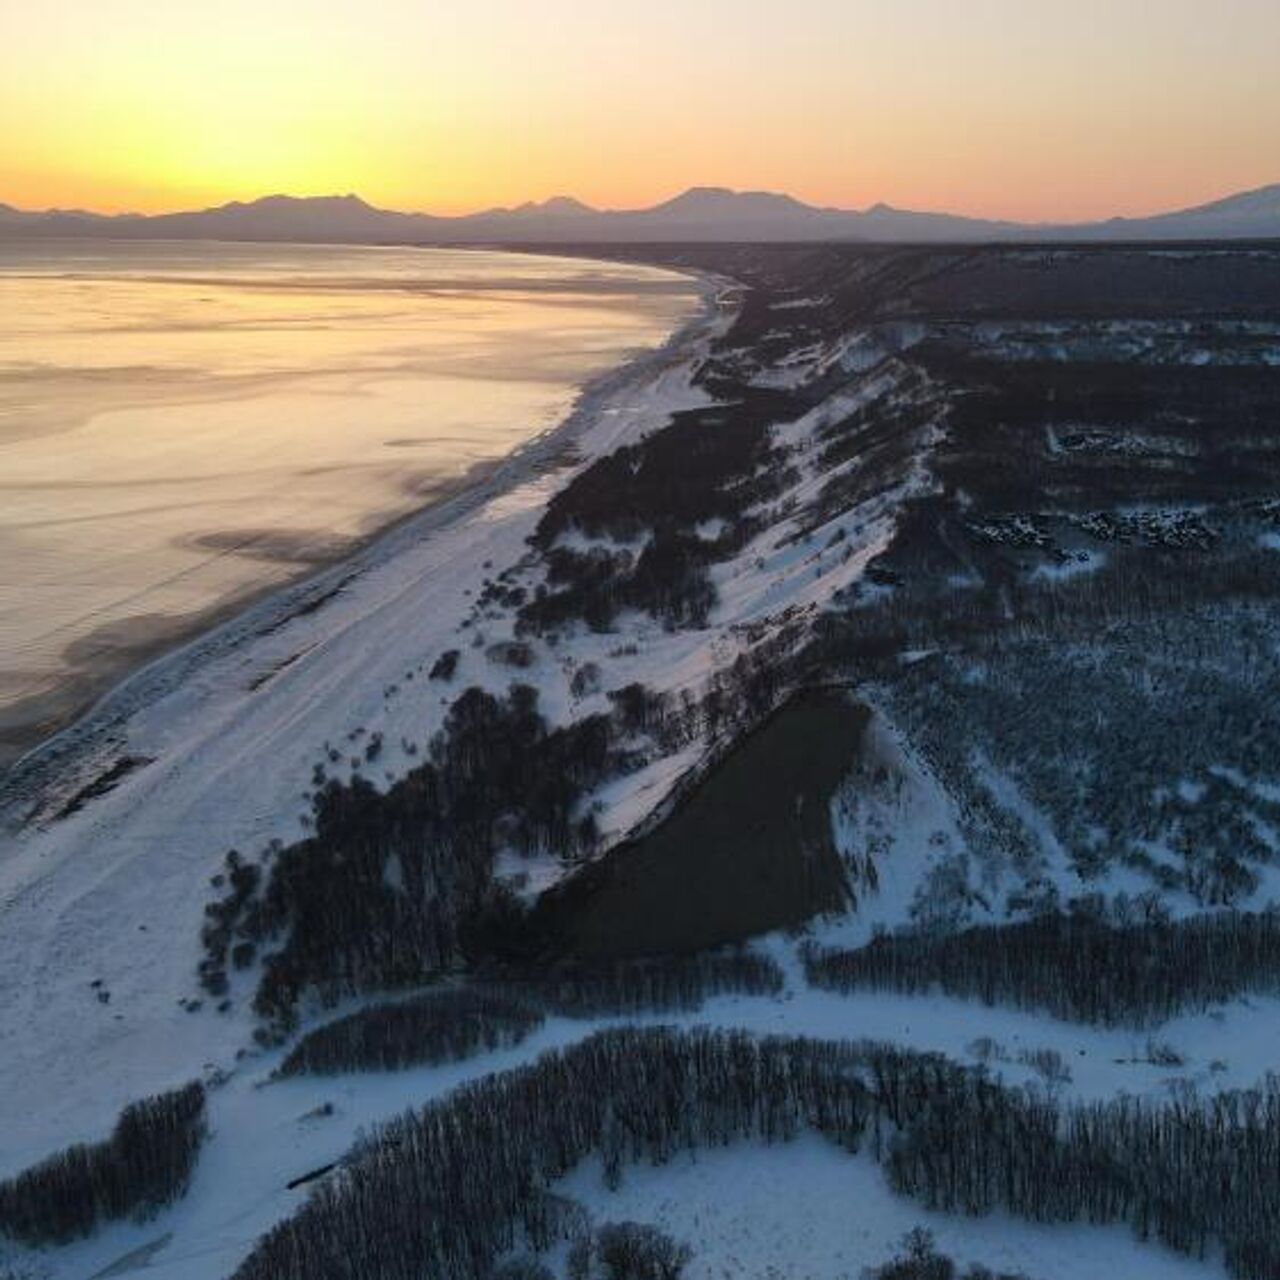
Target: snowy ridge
109,898
974,798
232,727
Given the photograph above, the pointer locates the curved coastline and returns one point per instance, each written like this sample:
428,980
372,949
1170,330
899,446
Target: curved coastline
169,661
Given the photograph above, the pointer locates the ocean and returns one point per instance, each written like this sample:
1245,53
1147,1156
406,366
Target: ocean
185,425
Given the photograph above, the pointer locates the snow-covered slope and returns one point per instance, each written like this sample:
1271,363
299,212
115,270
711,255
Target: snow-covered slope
231,728
265,1133
897,517
107,872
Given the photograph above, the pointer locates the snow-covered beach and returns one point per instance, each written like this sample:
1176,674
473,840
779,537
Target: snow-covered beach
230,726
186,429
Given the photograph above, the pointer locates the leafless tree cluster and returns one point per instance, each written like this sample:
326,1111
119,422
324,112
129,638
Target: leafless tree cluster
144,1165
1072,966
452,1188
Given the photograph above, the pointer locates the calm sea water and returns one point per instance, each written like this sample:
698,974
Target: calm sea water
183,424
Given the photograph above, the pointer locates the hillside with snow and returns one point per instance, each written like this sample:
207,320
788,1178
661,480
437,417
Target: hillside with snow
874,688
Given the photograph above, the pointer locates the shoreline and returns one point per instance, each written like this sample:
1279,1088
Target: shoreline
113,829
80,693
166,661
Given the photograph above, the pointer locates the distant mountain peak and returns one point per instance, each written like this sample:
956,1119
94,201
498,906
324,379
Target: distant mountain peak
558,206
565,204
703,193
717,200
282,200
1260,199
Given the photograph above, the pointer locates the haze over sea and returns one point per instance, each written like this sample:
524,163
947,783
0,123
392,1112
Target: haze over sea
183,425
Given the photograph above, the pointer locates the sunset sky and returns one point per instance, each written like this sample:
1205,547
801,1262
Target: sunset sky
1020,108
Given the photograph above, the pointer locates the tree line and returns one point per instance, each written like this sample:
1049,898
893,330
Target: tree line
657,984
627,1251
919,1259
392,888
1076,966
655,502
448,1190
503,1006
144,1165
1194,1174
440,1026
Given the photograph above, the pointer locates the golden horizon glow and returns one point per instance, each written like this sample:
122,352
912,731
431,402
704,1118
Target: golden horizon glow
990,108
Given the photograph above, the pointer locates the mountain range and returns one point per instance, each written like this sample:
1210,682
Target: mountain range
699,214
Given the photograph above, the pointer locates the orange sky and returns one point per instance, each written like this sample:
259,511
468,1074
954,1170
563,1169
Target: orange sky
988,107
